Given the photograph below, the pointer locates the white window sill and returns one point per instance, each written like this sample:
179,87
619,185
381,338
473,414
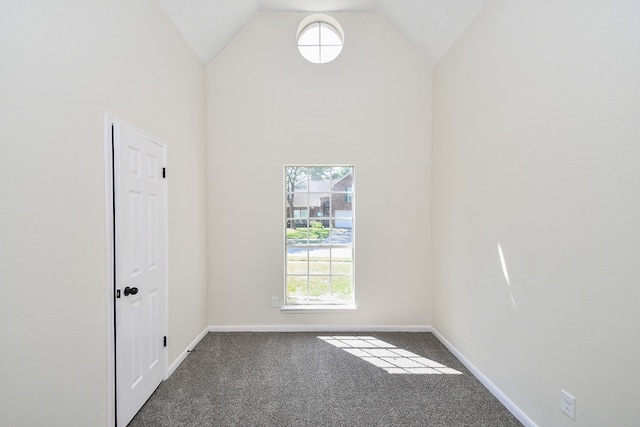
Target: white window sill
312,308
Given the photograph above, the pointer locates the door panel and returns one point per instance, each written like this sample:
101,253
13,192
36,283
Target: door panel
140,269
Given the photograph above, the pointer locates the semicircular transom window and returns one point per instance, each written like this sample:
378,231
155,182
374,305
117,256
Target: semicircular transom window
320,41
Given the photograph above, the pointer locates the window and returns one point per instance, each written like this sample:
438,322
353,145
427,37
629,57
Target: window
320,39
319,244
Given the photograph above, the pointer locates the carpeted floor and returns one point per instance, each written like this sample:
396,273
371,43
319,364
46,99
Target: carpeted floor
297,379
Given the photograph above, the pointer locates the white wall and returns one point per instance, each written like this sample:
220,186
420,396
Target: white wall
64,65
268,107
535,149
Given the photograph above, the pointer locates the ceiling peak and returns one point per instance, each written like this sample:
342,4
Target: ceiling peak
432,26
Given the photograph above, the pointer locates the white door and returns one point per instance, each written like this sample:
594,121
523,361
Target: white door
140,269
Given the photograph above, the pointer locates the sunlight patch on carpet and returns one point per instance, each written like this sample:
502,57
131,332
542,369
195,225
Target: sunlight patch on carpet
387,356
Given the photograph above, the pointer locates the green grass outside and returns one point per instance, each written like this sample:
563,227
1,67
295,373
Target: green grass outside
319,289
322,267
311,233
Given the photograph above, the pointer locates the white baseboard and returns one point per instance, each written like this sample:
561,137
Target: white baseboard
521,416
185,353
318,328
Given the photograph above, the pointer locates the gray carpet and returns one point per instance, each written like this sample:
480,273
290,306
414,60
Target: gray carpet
296,379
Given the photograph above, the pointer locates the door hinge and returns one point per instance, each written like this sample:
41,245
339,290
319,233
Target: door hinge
164,172
164,341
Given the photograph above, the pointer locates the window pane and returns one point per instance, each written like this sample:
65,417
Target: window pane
310,53
318,234
319,289
301,184
315,204
300,202
310,36
342,206
297,232
319,265
342,224
340,172
341,236
319,268
329,53
295,177
319,207
300,213
297,289
319,179
341,261
297,261
341,289
329,35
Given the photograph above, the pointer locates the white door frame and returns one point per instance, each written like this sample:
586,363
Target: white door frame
110,265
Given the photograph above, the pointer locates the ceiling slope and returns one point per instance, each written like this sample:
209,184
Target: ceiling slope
432,26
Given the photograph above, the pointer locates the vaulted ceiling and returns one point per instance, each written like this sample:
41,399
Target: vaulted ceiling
432,26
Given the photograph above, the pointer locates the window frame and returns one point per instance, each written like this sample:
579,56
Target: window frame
328,303
322,21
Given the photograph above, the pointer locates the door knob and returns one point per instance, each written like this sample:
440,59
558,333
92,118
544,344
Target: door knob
130,291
